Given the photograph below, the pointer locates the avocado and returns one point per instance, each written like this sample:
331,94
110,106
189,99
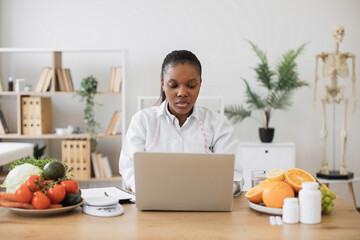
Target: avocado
54,170
72,199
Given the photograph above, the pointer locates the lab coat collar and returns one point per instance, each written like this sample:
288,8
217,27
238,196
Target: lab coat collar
163,110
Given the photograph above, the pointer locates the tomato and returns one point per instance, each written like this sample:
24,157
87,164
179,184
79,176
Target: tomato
34,183
48,183
56,194
40,200
23,194
71,186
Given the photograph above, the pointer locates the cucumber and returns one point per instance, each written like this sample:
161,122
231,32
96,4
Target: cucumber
72,199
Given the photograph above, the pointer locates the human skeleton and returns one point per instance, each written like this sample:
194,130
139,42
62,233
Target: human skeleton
335,65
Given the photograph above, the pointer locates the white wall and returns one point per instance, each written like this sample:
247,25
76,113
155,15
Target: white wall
215,31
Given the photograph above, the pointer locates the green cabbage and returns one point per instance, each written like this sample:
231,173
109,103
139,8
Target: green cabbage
18,175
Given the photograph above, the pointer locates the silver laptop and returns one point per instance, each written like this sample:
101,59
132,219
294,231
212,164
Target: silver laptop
184,181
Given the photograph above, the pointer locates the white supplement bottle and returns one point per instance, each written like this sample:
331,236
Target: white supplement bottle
290,212
310,203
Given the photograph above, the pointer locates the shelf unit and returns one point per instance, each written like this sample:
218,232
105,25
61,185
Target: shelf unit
57,56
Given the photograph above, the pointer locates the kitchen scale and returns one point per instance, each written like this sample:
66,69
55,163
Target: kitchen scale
102,207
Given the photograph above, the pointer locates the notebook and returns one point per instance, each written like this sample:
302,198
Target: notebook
184,181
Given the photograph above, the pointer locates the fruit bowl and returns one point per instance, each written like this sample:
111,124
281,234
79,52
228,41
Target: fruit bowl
34,212
262,208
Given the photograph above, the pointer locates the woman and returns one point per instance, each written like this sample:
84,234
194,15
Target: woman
178,125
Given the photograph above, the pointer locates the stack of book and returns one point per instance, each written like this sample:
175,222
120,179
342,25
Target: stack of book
101,165
63,81
36,115
76,155
115,79
3,126
114,123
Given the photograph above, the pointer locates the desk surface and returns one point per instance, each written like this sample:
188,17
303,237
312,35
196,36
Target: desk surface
242,223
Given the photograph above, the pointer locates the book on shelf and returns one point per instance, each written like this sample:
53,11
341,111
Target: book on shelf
67,80
112,78
1,83
114,123
95,165
60,79
63,80
105,164
115,79
4,126
47,83
101,165
43,76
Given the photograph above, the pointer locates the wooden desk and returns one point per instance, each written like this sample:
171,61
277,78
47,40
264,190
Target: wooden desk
241,223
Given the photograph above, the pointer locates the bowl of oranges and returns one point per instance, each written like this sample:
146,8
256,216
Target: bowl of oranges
268,196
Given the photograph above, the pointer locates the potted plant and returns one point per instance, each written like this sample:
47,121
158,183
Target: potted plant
279,83
87,93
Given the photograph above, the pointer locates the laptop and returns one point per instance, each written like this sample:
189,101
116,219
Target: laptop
184,181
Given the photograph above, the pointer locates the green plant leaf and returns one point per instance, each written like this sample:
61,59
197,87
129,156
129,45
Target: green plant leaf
253,99
281,100
264,74
279,83
236,113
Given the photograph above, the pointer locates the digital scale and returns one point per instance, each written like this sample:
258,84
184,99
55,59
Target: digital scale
102,207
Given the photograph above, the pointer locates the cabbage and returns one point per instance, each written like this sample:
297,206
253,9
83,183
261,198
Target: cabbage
18,175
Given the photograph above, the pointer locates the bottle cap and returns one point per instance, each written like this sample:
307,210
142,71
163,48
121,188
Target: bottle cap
310,185
291,201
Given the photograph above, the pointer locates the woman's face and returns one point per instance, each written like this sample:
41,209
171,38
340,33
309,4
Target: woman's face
181,85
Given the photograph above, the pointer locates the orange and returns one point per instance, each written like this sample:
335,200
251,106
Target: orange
254,195
276,174
296,176
275,192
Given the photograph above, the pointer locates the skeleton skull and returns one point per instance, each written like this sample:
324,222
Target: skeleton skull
338,33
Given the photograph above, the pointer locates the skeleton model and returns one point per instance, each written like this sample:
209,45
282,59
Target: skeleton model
335,65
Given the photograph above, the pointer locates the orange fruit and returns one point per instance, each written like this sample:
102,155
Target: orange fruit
296,176
254,195
264,183
275,192
276,174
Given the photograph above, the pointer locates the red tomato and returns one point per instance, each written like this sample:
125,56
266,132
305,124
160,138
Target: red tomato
71,186
56,194
34,183
23,194
47,182
40,200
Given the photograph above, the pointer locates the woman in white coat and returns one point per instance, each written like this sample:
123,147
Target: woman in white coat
178,124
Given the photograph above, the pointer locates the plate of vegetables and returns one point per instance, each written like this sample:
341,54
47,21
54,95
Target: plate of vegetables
40,187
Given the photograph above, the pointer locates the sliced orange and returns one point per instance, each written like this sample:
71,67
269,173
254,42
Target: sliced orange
276,174
296,176
275,192
254,195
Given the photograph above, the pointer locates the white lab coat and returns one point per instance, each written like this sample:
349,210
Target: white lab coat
189,138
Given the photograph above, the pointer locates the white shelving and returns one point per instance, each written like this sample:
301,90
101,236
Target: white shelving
28,62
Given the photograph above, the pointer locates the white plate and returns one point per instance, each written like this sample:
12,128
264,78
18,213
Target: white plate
45,211
262,208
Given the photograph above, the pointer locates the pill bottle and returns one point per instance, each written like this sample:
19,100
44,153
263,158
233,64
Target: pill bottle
10,84
290,211
310,203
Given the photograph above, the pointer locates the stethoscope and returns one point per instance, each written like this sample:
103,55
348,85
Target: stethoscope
157,133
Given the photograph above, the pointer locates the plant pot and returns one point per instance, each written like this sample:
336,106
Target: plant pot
266,134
